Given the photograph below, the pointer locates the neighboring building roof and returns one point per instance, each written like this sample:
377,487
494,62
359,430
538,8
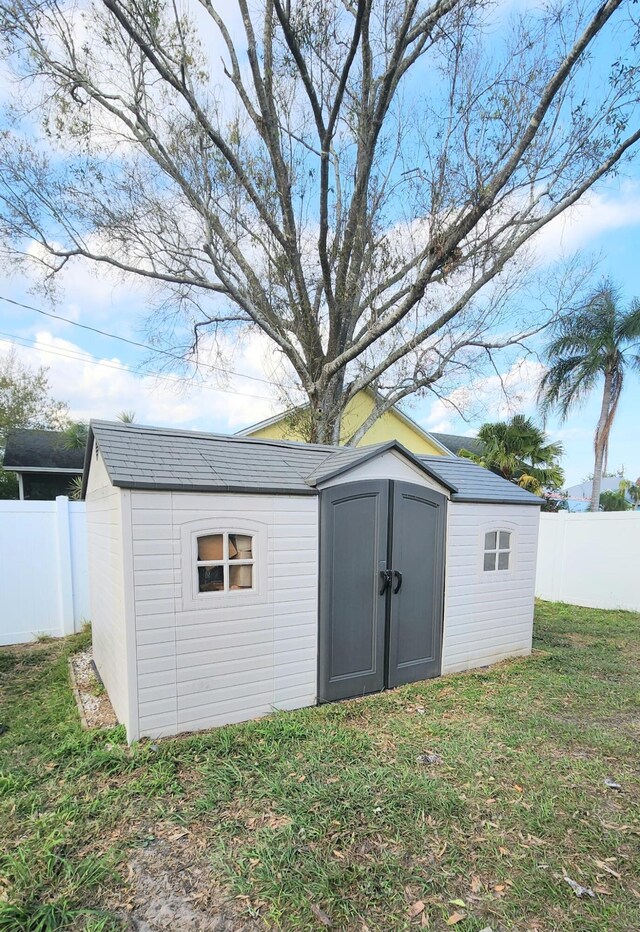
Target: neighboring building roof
178,460
40,450
455,442
583,490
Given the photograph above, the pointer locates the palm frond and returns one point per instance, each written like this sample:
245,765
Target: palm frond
628,326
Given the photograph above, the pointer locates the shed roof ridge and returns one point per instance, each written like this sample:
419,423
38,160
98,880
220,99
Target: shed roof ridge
209,435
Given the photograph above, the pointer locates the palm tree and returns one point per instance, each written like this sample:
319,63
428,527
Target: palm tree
75,435
601,341
518,450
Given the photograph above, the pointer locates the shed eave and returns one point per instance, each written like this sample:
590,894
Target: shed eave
45,469
164,486
87,463
474,500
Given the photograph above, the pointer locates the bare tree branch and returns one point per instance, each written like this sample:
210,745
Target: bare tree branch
356,180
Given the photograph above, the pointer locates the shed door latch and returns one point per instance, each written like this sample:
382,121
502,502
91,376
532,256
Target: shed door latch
385,580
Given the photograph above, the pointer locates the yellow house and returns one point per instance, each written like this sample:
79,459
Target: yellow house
393,425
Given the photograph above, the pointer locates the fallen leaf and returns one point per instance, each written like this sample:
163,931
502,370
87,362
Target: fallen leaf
499,888
518,788
457,902
278,821
602,890
476,884
455,918
339,854
415,909
503,850
321,916
605,867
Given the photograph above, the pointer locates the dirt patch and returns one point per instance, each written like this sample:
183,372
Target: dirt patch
93,703
580,640
628,722
171,887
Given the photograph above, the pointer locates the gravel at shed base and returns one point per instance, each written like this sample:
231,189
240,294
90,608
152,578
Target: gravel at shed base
97,710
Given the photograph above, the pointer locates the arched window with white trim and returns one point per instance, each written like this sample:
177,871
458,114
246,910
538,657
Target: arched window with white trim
223,562
497,551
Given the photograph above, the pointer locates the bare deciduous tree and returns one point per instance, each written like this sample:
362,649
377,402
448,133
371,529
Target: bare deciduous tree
355,178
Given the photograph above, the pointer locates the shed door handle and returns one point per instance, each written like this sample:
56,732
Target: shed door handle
398,576
385,576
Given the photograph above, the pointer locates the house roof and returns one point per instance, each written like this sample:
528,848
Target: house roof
456,442
39,450
276,418
179,460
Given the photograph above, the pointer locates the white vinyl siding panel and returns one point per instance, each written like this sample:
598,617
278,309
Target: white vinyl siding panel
105,544
215,664
488,615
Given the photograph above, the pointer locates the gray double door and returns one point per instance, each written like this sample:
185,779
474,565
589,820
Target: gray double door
381,586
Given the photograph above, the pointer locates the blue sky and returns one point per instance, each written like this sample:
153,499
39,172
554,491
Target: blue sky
100,377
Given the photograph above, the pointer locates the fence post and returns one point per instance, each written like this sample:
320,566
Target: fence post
65,566
558,565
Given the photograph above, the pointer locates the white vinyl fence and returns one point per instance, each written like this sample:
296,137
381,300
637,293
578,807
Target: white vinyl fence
590,559
44,586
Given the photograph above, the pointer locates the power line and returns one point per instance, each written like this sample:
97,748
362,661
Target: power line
16,340
145,346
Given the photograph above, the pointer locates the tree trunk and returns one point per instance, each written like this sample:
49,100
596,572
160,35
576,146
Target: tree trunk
600,443
326,407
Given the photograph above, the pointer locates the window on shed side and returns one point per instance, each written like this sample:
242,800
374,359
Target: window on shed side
497,551
225,562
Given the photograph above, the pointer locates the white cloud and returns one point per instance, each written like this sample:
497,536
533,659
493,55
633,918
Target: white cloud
85,288
596,214
102,387
492,398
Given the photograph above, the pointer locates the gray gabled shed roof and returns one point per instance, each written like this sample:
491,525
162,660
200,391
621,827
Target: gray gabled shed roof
190,461
476,484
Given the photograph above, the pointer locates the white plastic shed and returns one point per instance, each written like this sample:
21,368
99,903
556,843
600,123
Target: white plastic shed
232,576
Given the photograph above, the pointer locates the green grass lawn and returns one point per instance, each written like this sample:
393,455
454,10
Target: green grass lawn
324,815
